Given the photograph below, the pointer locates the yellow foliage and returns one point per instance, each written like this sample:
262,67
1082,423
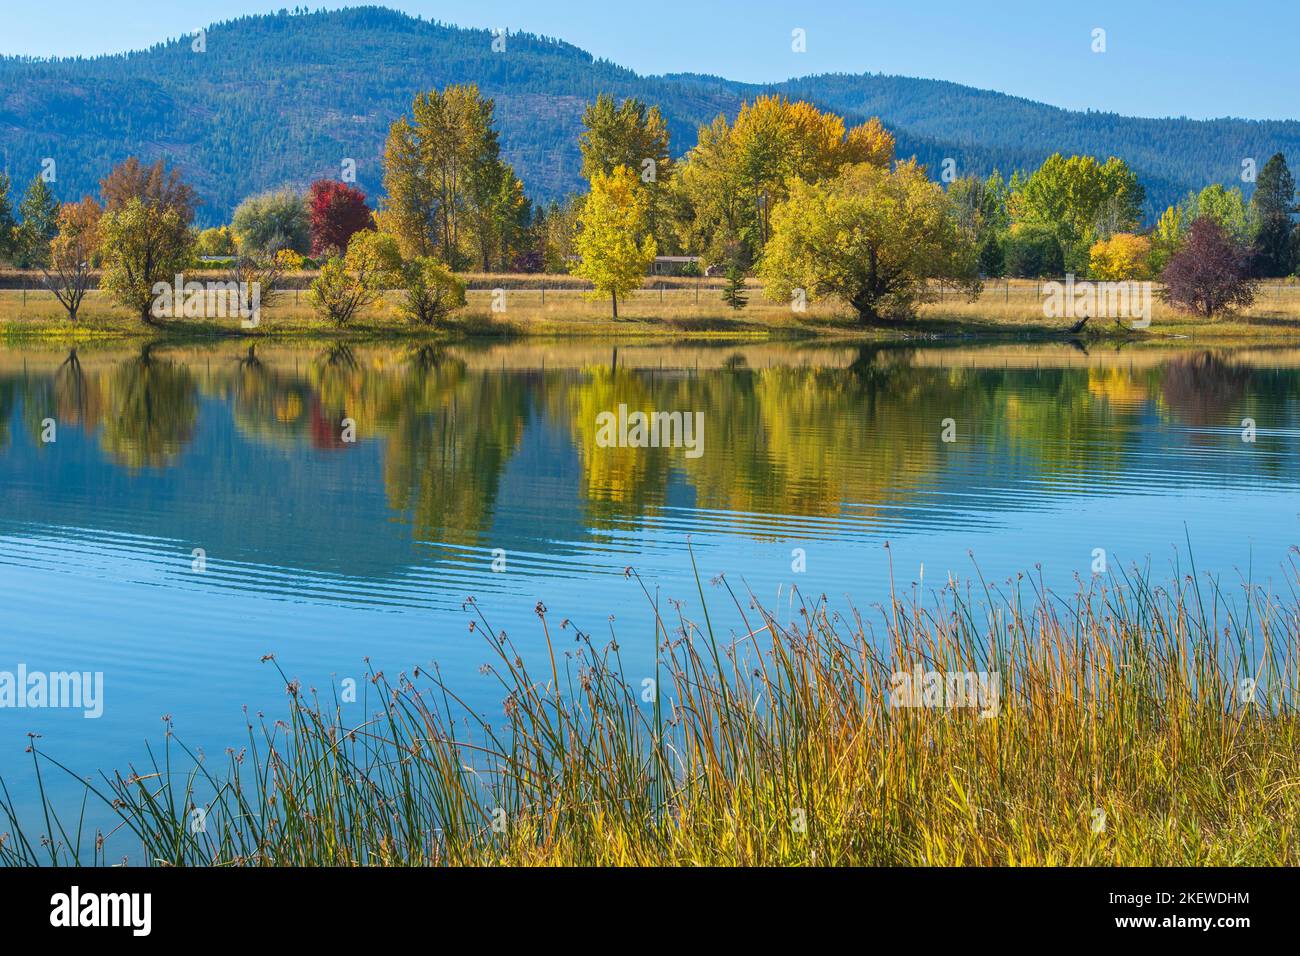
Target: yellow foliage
1122,257
612,236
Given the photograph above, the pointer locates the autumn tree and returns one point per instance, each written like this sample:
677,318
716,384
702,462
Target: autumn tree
448,192
612,236
337,212
1124,256
216,241
870,237
737,174
143,244
72,252
1209,275
636,136
152,185
1166,237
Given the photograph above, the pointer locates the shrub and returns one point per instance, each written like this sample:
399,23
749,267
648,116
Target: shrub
432,290
349,283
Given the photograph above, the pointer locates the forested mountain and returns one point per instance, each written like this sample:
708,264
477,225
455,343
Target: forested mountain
285,98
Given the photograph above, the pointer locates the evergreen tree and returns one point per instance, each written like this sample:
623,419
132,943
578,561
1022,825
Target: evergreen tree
993,262
1273,249
734,293
8,226
39,212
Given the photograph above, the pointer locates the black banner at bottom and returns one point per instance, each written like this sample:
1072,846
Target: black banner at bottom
337,906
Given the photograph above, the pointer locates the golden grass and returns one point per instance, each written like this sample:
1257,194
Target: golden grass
682,308
1123,734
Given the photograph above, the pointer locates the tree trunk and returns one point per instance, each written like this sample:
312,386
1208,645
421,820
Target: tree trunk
614,298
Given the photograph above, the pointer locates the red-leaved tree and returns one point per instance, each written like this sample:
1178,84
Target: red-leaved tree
337,213
1210,274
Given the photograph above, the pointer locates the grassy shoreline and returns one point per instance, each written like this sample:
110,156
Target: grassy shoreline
679,310
1122,735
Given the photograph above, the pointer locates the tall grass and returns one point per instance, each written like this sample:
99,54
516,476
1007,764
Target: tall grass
1124,735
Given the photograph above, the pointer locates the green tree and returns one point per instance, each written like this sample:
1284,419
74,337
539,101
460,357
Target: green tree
1080,200
266,223
39,212
1274,189
1032,252
1227,207
992,259
734,292
1274,243
143,244
980,205
871,237
8,225
556,228
613,238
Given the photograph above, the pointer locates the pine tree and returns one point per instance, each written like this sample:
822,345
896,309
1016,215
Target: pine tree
8,227
39,212
734,293
1273,247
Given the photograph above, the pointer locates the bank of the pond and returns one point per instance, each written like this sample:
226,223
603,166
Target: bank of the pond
517,307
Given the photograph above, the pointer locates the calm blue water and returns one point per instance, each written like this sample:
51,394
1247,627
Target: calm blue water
325,552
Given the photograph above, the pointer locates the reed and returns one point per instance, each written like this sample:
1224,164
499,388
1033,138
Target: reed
1135,724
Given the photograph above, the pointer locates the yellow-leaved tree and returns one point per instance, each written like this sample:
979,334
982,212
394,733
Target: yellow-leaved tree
1122,257
871,237
612,237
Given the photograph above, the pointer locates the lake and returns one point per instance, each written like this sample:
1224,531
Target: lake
171,514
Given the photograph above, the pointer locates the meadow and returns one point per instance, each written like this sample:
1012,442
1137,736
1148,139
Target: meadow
671,307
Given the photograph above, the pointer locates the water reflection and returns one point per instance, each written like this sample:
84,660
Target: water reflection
796,439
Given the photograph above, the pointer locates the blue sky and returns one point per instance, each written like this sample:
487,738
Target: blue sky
1190,58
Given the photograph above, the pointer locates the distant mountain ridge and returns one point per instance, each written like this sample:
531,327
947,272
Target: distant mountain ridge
284,98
